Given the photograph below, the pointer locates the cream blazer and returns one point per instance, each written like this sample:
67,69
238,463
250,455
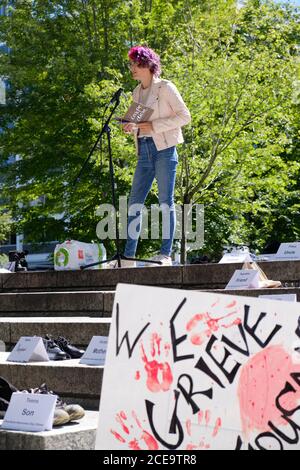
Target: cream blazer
169,113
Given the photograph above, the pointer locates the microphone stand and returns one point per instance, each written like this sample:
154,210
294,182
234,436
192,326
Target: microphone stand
106,130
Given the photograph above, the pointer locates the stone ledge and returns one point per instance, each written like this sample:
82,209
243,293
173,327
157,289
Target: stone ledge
89,279
79,330
189,276
73,436
88,302
257,292
67,378
216,276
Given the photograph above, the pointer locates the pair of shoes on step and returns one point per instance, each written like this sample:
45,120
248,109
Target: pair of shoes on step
163,259
63,413
59,349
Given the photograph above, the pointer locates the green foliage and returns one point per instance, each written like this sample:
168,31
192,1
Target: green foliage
3,260
237,70
5,225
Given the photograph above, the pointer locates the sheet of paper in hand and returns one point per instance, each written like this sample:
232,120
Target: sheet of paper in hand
194,371
136,113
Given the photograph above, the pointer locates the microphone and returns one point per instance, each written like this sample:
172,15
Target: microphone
116,96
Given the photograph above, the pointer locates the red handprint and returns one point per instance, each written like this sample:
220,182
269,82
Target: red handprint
142,440
202,443
202,325
159,374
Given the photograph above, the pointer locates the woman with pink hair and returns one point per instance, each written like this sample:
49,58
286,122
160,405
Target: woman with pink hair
156,142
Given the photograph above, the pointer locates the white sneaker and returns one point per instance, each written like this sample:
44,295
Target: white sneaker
165,260
125,263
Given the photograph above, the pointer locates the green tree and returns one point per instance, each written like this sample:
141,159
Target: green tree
236,69
239,69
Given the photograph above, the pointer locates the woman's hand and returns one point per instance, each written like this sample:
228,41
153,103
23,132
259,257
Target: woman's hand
128,127
145,127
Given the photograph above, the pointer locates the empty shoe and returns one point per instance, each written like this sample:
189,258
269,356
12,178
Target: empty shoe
68,348
6,389
3,407
60,417
74,412
164,260
53,350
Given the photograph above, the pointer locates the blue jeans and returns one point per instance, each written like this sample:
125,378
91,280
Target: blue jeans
162,166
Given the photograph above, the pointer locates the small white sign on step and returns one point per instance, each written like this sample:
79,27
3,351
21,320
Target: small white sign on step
236,257
29,349
283,297
96,351
244,279
30,412
266,257
288,251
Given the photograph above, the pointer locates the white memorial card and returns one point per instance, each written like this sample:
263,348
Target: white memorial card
283,297
244,279
266,257
288,251
236,257
29,349
30,412
96,351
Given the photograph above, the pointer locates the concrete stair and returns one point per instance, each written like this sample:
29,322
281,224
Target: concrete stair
72,381
78,305
64,304
72,436
258,292
73,307
79,330
206,276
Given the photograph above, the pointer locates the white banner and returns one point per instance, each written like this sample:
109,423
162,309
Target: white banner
192,370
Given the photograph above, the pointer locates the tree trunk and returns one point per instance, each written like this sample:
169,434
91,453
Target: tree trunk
183,245
183,252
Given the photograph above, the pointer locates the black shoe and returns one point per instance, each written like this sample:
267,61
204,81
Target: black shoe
53,350
3,407
71,350
6,389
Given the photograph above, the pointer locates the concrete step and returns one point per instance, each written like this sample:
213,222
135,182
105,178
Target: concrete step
72,436
211,276
75,382
102,279
217,276
93,304
88,303
79,330
257,292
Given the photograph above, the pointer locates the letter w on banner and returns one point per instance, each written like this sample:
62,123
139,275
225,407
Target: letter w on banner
193,371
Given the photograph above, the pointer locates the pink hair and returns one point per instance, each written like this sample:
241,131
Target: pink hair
145,57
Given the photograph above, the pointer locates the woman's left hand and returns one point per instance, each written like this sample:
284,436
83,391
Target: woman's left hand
145,127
